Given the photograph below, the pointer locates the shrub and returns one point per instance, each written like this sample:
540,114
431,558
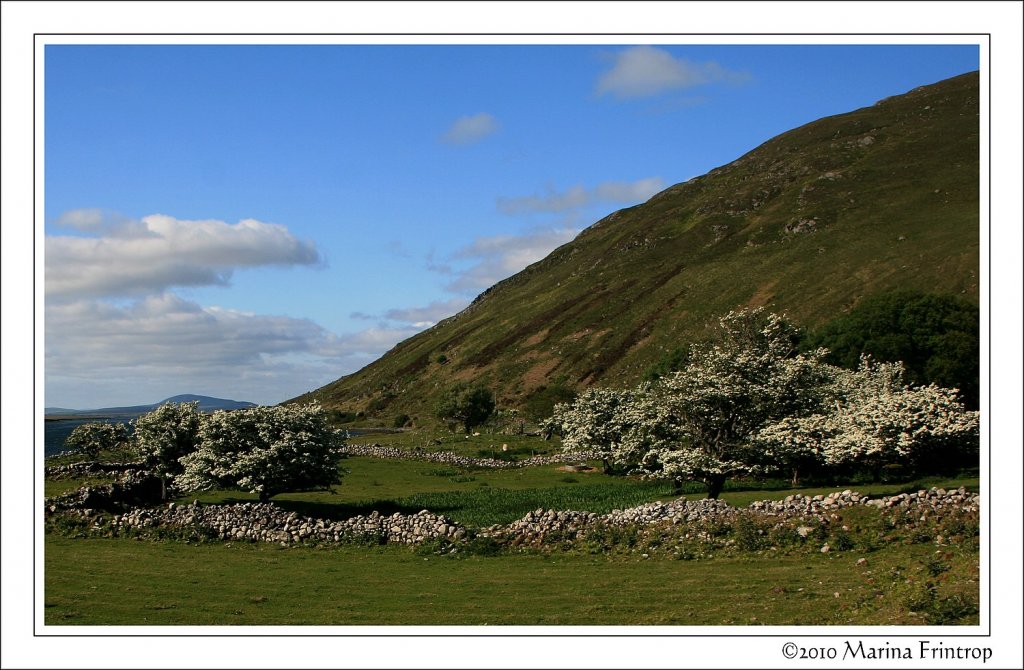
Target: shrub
92,438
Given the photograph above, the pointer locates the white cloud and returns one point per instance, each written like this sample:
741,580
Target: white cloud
500,256
645,71
162,345
159,252
82,219
578,196
470,129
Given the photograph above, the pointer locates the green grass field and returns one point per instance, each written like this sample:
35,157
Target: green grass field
126,581
129,582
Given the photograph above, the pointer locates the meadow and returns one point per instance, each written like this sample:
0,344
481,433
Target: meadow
905,577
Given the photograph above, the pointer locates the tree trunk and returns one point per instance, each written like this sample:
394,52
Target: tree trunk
163,488
796,478
715,485
677,486
264,496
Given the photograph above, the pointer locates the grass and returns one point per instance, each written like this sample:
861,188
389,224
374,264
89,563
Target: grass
486,496
478,497
129,582
604,580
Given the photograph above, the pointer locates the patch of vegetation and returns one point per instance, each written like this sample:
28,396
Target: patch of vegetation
935,336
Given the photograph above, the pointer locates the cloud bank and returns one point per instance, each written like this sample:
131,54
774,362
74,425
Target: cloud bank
646,71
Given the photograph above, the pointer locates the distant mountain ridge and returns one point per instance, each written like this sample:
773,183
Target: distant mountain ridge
206,404
809,223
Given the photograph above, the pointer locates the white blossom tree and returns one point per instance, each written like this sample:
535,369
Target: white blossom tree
747,404
92,438
699,422
264,450
711,411
875,419
165,435
593,422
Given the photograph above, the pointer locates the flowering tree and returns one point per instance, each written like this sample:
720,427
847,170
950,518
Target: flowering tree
708,414
91,438
876,419
747,404
699,422
264,450
593,422
165,435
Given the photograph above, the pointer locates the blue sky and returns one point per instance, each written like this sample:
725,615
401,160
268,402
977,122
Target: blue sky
252,222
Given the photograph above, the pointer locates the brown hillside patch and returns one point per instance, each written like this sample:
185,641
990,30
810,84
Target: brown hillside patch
538,373
537,338
763,295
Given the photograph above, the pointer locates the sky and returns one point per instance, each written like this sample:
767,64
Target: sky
252,222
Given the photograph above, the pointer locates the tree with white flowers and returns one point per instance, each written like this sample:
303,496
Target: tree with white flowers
264,450
706,417
592,422
92,438
165,435
698,423
876,419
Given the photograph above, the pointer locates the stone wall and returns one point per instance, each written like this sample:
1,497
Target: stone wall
452,458
265,522
92,469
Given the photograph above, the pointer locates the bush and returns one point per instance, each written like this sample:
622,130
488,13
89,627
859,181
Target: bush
92,438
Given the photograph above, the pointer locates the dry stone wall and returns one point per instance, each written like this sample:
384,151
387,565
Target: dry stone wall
265,522
452,458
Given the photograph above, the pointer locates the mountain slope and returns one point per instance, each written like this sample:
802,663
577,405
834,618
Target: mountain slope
808,223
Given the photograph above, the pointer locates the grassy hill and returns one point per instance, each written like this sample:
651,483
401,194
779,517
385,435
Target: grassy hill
808,223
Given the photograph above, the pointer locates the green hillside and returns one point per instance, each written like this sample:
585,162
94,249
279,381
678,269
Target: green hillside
810,222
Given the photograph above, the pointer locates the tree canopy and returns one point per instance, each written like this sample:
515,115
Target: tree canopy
934,336
264,450
91,438
468,405
165,435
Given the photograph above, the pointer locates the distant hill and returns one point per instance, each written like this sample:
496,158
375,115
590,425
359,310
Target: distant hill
809,223
206,404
